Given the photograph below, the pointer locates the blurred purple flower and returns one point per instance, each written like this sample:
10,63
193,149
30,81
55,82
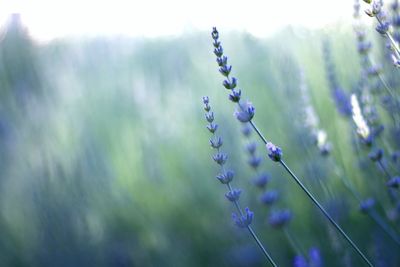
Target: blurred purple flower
243,220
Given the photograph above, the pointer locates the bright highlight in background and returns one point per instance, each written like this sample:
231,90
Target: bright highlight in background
48,19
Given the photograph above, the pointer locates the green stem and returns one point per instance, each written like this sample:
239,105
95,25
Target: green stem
313,199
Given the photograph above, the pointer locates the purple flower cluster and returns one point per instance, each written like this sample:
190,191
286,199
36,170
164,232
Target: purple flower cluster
376,10
314,259
267,197
242,219
245,113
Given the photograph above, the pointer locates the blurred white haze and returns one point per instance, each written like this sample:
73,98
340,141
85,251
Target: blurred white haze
49,19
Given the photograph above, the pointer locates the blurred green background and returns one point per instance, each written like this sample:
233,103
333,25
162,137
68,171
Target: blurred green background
105,158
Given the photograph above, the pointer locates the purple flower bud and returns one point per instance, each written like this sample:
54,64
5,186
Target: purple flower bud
376,155
376,8
246,113
325,149
212,127
269,197
360,33
233,195
374,70
225,70
280,218
251,148
246,130
214,33
395,156
220,158
261,180
395,6
396,20
369,140
254,161
210,117
225,177
216,43
366,205
394,182
222,61
315,257
364,47
230,84
342,101
235,95
219,51
300,261
382,28
216,142
245,220
274,152
206,100
396,61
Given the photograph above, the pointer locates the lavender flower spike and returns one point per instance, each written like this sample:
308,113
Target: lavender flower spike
226,176
383,25
275,153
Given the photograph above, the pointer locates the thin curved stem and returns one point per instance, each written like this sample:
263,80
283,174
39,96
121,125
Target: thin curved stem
253,234
372,214
333,222
258,132
313,199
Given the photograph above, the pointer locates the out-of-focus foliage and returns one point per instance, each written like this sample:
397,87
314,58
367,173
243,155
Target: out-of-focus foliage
105,158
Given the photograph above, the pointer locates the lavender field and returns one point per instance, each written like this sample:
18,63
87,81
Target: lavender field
209,148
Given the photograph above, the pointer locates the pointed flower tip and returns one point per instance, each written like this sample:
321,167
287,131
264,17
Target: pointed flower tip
214,33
